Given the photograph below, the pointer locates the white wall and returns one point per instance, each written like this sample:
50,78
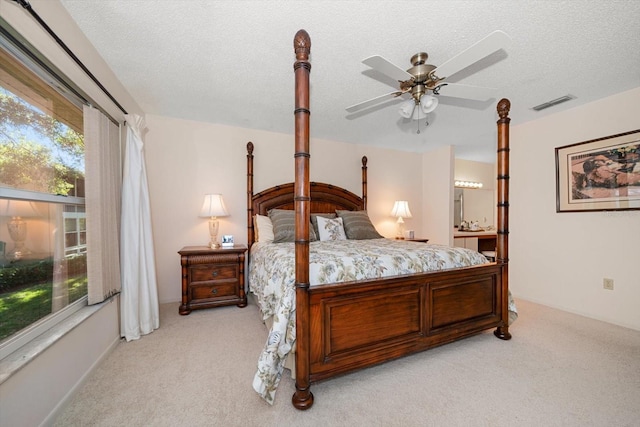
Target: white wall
34,394
467,170
560,259
187,159
437,203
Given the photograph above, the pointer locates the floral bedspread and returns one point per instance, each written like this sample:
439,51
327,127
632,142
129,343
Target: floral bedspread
272,281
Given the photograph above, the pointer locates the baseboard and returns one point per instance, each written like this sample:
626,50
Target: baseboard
578,312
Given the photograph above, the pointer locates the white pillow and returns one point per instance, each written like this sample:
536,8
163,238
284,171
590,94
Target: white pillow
263,229
331,229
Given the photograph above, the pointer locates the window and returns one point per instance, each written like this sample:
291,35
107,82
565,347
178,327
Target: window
43,269
75,230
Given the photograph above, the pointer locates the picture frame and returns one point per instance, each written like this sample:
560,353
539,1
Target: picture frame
227,241
601,174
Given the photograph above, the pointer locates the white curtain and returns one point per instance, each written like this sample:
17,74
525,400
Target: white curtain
139,311
102,204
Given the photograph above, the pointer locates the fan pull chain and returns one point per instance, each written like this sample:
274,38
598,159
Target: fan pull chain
426,123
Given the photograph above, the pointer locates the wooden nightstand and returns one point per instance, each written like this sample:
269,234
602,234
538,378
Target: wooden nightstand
417,240
212,277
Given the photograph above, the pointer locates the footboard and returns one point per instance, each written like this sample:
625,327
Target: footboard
354,325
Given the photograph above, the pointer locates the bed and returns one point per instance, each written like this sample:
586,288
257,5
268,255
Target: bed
340,323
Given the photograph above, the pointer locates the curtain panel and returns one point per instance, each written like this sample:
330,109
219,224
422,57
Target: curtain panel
103,186
139,309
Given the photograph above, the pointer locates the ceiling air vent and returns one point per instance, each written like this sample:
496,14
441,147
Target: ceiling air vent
553,102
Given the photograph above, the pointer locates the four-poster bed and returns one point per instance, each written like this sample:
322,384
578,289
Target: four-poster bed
347,325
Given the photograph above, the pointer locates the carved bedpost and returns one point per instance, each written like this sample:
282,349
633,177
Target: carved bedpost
364,181
502,250
302,398
250,230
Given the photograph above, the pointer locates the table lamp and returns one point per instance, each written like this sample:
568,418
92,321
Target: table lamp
401,211
213,207
18,210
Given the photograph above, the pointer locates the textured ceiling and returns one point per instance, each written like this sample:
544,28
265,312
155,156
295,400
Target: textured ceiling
231,62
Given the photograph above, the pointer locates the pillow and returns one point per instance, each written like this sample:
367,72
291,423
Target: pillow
357,225
263,228
330,229
314,220
284,226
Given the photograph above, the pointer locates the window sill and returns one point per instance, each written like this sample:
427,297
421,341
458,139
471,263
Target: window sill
28,352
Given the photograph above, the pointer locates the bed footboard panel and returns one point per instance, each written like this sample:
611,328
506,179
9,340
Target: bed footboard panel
464,302
363,324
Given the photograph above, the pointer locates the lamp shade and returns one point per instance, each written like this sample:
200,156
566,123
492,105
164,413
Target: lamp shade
401,209
18,208
213,205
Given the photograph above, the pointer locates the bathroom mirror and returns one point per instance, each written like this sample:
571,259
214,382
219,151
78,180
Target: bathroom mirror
474,205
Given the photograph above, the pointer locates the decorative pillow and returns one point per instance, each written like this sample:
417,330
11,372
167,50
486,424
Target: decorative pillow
357,225
330,229
263,228
314,220
284,226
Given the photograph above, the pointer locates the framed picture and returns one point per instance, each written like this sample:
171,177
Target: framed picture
227,241
599,175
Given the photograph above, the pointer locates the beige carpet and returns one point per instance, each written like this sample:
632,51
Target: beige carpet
559,369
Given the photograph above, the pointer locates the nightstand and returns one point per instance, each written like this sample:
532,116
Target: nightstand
212,277
417,240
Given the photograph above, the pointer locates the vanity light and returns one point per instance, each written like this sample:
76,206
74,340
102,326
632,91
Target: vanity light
468,184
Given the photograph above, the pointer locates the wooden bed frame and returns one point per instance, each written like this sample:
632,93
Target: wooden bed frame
347,326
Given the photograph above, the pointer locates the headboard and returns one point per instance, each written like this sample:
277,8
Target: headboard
325,198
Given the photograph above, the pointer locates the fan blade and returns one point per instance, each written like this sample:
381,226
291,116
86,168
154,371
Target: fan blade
372,101
485,47
380,64
476,93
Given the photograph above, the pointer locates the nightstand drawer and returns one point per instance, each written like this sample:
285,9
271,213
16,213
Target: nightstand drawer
211,291
205,273
212,277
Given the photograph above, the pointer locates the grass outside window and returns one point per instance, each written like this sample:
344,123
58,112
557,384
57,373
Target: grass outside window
26,303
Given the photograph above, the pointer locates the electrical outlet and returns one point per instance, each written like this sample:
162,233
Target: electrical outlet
607,284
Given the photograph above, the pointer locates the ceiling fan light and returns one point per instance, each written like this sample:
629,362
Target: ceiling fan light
428,103
418,114
406,108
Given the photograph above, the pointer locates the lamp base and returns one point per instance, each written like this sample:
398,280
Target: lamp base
18,232
400,229
17,254
213,233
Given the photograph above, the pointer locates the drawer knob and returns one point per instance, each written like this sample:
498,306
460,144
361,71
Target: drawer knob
214,274
214,291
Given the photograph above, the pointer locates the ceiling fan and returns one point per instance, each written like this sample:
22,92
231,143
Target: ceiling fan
423,80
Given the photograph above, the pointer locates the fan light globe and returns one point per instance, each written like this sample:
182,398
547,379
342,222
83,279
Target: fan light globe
406,108
418,114
428,103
